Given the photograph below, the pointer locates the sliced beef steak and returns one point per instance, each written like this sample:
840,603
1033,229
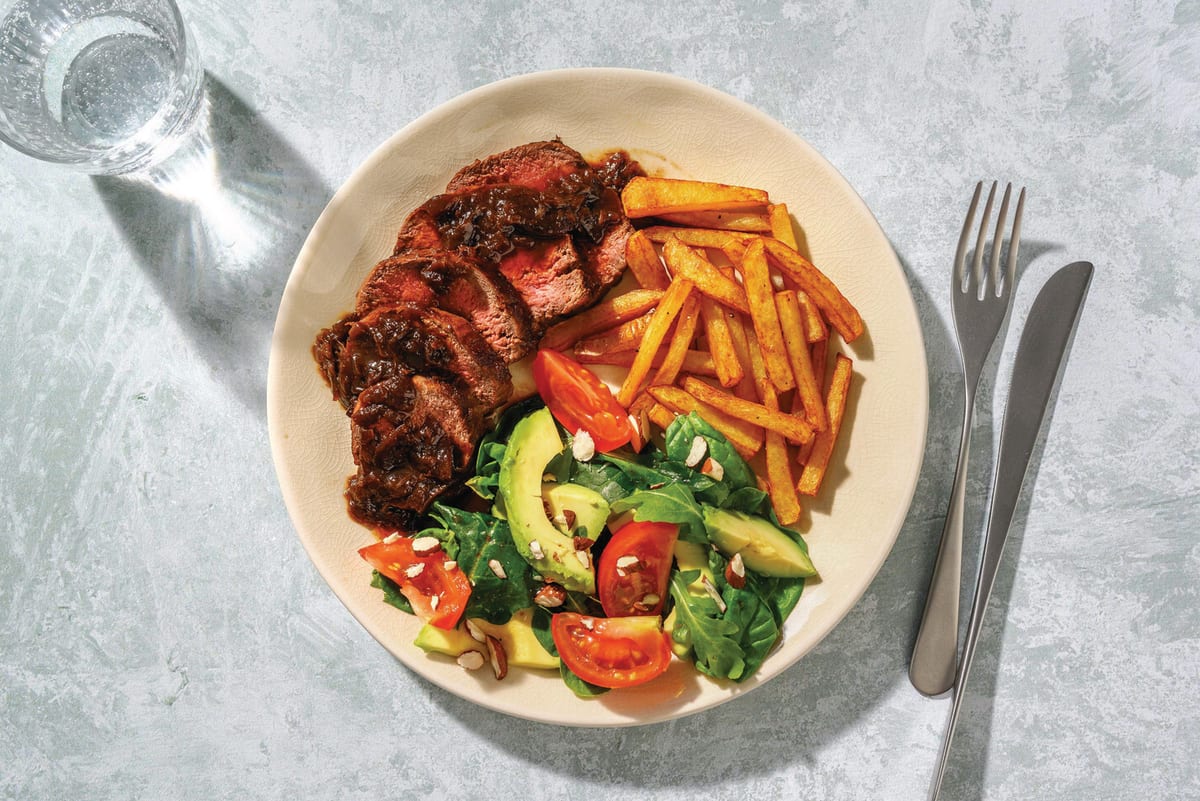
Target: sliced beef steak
536,165
464,286
412,439
408,338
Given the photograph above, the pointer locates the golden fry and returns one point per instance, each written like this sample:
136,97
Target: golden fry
808,389
763,314
625,337
841,314
781,224
795,429
661,416
660,323
779,474
696,362
815,329
648,197
721,220
835,406
731,243
745,437
681,341
600,317
720,342
644,263
737,334
687,264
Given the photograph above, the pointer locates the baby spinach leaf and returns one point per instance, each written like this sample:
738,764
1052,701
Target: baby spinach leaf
578,686
673,503
684,430
479,538
391,592
604,478
757,627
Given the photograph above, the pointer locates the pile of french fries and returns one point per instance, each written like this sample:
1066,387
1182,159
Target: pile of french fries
731,322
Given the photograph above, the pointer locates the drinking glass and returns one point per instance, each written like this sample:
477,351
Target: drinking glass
101,86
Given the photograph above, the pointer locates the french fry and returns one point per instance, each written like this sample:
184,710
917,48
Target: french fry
721,220
681,340
661,416
781,224
720,342
839,311
808,389
649,197
737,334
625,337
756,277
819,354
745,437
728,242
660,323
835,407
644,263
687,264
794,429
600,317
815,329
779,473
696,362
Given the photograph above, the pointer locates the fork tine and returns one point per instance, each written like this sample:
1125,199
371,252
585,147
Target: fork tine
998,241
960,254
977,265
1014,243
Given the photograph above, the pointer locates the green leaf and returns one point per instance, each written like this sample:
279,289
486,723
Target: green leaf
684,430
391,592
747,499
478,539
604,478
713,639
673,503
758,630
578,686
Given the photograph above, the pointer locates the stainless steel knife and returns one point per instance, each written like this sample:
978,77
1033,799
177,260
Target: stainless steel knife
1043,349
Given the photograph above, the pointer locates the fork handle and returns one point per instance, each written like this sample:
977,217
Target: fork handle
934,657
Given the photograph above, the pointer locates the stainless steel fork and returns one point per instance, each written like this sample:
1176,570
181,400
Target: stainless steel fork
981,301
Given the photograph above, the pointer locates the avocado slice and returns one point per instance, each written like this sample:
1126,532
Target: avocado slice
521,646
588,506
534,442
764,548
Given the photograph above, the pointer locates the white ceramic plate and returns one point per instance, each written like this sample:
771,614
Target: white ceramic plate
680,129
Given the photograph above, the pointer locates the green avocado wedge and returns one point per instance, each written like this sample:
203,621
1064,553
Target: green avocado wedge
534,442
765,549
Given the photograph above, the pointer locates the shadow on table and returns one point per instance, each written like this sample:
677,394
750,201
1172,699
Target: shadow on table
217,227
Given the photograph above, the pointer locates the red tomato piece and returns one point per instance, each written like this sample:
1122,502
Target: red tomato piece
438,596
612,652
634,567
578,399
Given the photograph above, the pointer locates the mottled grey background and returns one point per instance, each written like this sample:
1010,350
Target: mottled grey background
163,636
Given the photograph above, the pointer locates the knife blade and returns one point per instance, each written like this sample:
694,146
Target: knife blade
1040,355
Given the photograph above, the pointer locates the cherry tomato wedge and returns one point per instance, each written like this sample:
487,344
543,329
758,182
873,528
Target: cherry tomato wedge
612,652
580,400
633,569
422,579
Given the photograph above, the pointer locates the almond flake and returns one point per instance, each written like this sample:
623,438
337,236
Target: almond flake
498,657
434,601
390,538
588,623
625,563
535,550
412,571
584,558
550,596
474,630
696,454
470,660
583,447
711,589
423,546
737,565
449,565
713,469
497,568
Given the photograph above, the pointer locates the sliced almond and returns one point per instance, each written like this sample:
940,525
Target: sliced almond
711,589
535,550
499,659
470,660
412,571
735,572
475,632
713,469
497,568
449,565
424,546
434,601
390,538
696,454
583,447
584,558
550,596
